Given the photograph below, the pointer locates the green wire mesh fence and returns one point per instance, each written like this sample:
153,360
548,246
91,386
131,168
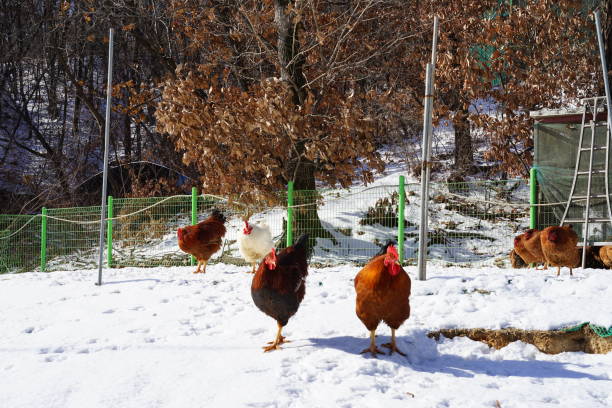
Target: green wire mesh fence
20,238
470,224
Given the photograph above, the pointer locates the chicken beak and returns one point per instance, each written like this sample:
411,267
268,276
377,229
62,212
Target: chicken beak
398,263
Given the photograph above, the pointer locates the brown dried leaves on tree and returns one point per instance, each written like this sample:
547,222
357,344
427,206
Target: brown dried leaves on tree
248,131
531,55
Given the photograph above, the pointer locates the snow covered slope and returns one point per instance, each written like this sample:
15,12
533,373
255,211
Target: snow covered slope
163,337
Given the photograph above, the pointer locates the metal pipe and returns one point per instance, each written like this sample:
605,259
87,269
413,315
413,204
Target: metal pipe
604,69
425,170
109,89
434,44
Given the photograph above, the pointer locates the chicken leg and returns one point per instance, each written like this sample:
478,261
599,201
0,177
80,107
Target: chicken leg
372,349
201,264
275,345
392,346
254,267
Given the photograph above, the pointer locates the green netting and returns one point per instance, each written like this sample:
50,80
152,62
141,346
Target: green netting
19,243
469,224
73,243
601,331
145,236
556,148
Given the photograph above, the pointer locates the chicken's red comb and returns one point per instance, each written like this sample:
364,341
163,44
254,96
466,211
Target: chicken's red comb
392,251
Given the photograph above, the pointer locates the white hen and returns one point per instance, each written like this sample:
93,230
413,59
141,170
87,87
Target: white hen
255,242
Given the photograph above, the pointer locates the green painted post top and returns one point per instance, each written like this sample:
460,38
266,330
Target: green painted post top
533,197
43,240
290,213
400,216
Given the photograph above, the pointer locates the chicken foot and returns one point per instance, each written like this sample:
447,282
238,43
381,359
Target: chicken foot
393,346
275,345
201,264
372,349
559,271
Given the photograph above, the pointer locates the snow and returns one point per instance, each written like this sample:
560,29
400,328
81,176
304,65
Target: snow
163,337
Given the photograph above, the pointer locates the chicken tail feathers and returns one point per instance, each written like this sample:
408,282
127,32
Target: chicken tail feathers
383,249
302,243
218,215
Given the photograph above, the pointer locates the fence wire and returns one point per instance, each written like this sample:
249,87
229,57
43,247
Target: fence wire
470,224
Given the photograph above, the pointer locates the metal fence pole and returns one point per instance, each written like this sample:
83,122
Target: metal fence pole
194,214
604,69
533,198
425,170
109,233
400,216
290,213
43,240
426,153
109,94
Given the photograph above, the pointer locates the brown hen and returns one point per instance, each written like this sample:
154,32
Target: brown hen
528,246
383,291
203,239
559,247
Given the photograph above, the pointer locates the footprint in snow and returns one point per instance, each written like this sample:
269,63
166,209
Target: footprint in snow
144,331
164,301
109,311
28,330
53,358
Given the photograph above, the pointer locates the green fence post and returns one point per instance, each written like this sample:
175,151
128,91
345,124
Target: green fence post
400,219
43,240
533,198
290,213
194,214
109,233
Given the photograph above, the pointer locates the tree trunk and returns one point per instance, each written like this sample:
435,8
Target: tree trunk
306,218
464,154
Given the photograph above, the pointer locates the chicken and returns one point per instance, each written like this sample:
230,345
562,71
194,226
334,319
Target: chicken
383,290
516,261
596,257
559,247
278,286
203,239
604,256
255,242
528,246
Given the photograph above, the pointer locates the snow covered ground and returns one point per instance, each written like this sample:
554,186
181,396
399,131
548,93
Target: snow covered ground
163,337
